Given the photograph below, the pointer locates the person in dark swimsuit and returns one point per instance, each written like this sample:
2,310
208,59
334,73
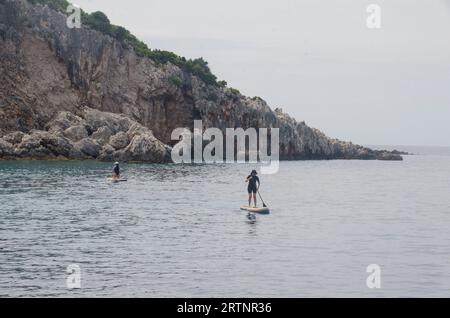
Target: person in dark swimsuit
116,171
252,188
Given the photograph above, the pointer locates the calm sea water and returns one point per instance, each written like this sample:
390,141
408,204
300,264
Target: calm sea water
177,230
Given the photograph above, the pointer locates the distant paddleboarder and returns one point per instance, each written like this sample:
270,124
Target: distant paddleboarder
252,188
116,171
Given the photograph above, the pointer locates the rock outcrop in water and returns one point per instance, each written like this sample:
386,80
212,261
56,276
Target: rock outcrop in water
78,93
92,134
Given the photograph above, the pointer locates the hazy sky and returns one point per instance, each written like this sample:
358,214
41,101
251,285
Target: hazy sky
316,58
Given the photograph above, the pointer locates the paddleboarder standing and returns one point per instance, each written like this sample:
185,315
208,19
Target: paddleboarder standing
252,188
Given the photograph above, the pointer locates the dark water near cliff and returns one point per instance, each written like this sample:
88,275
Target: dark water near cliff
178,231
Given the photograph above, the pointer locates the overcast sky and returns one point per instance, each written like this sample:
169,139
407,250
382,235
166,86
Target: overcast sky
316,58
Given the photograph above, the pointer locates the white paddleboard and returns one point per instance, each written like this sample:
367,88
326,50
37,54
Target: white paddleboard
117,180
256,210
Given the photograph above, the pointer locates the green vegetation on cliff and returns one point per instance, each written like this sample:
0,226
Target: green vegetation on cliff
100,22
60,5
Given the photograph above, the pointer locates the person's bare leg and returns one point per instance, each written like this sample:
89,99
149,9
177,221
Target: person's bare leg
254,198
249,199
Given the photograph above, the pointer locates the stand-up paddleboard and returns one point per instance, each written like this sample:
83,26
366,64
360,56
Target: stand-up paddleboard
263,210
117,180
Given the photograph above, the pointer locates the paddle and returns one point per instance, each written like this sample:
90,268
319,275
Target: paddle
264,205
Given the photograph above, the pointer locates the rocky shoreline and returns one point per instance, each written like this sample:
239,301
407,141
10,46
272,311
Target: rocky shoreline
92,135
80,94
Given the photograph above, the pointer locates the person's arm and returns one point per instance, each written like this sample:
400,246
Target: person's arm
257,180
248,178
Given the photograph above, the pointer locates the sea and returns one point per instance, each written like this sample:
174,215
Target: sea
338,228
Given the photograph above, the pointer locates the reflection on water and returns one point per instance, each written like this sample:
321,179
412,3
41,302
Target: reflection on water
175,230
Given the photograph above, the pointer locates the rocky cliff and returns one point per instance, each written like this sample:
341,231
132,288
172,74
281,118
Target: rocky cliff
78,93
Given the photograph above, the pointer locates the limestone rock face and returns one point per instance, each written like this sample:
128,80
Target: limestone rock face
119,140
102,135
43,145
6,149
64,141
146,148
14,137
76,133
76,93
89,147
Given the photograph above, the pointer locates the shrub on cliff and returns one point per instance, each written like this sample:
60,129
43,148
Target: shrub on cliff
234,91
59,5
175,80
200,68
222,83
98,21
120,33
